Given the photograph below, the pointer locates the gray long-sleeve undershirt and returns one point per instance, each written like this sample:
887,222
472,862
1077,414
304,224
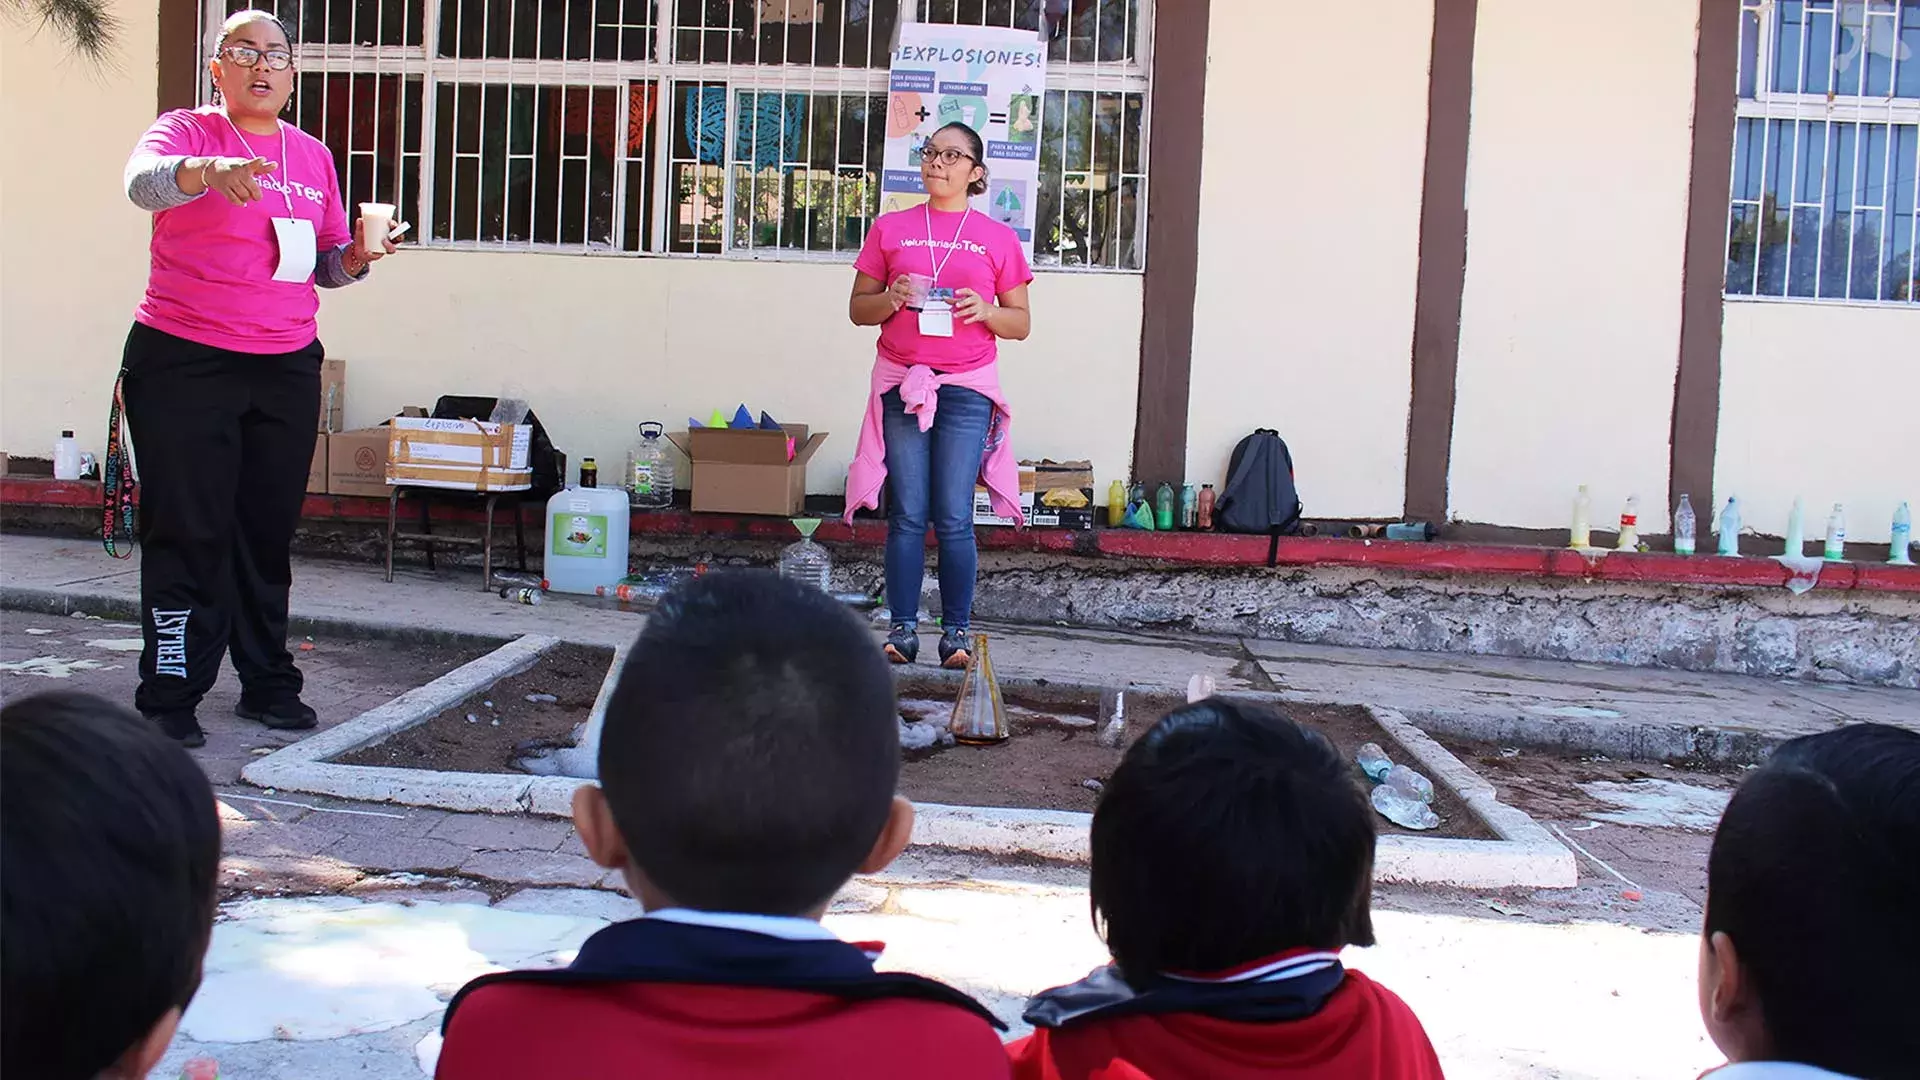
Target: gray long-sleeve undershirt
153,185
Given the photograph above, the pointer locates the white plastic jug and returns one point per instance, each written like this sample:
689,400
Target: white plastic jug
586,539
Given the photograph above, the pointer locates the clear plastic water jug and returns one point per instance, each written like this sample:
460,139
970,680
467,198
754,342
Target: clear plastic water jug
807,561
586,539
650,476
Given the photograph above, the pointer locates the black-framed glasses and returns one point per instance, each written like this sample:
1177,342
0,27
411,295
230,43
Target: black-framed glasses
945,155
247,56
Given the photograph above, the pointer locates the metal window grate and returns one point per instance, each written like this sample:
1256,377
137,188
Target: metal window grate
733,128
1825,201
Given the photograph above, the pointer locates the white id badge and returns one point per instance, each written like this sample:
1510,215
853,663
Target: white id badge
298,250
936,319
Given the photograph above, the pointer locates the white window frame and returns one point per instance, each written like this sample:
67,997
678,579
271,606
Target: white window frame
1768,104
433,71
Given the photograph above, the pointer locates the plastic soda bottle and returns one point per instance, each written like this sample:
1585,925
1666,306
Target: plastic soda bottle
1629,525
1837,534
1684,527
1203,508
1116,505
1189,506
1163,509
1730,527
806,561
1581,534
1900,555
1373,761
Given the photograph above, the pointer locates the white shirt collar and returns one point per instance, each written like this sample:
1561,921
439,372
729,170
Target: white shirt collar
1772,1070
787,927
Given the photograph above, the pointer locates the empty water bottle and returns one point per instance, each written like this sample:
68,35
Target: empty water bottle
1409,783
650,476
1373,762
807,561
980,714
511,406
1402,811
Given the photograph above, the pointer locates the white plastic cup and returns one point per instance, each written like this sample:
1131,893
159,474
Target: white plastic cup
377,219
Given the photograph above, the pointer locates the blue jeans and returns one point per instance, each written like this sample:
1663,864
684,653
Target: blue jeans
931,476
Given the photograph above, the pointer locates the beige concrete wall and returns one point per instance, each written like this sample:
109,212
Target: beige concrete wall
1309,243
601,344
73,251
1821,402
1577,202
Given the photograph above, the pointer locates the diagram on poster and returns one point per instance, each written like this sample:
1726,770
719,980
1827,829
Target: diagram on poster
990,78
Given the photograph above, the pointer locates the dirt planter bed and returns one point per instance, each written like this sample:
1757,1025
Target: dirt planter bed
1483,843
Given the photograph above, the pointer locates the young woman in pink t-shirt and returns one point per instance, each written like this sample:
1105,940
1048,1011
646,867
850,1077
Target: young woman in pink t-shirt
221,377
944,284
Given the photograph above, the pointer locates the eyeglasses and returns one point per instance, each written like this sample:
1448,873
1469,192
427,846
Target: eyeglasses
246,57
945,155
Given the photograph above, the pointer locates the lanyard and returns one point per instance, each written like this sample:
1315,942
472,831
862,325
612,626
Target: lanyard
286,188
941,264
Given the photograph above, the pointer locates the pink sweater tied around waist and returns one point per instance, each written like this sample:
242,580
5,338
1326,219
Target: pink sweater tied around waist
919,387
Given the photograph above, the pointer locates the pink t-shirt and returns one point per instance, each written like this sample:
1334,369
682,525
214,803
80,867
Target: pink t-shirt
212,262
986,257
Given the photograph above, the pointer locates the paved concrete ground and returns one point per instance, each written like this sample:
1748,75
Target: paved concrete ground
1488,696
1517,985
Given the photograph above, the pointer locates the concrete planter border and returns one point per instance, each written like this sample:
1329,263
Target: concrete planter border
308,765
1525,855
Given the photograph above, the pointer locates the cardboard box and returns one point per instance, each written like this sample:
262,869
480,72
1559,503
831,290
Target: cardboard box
317,472
472,444
749,471
459,477
357,462
333,395
1067,481
1058,486
983,503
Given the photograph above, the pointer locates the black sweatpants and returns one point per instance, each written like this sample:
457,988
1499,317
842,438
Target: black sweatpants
223,441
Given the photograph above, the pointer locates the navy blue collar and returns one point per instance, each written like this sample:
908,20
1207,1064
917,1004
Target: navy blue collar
663,951
1105,994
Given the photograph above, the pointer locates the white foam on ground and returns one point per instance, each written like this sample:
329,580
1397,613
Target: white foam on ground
327,967
54,667
119,644
1665,804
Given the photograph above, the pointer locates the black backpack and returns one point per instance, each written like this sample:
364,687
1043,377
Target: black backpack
1260,496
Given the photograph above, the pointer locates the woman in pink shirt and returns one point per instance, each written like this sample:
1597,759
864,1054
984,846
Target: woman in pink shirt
944,284
221,377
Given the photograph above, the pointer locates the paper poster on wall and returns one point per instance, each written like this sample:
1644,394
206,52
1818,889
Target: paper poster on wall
990,78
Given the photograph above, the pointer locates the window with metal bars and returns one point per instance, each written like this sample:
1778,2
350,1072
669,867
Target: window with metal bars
748,128
1826,171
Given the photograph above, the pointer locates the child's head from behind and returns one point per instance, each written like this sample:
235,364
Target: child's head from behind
750,752
1811,944
1228,834
107,874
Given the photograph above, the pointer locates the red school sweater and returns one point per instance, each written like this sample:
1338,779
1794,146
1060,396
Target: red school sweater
1359,1030
656,999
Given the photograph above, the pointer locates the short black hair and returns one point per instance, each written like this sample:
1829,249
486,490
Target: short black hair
752,745
1815,875
1227,834
107,874
978,187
